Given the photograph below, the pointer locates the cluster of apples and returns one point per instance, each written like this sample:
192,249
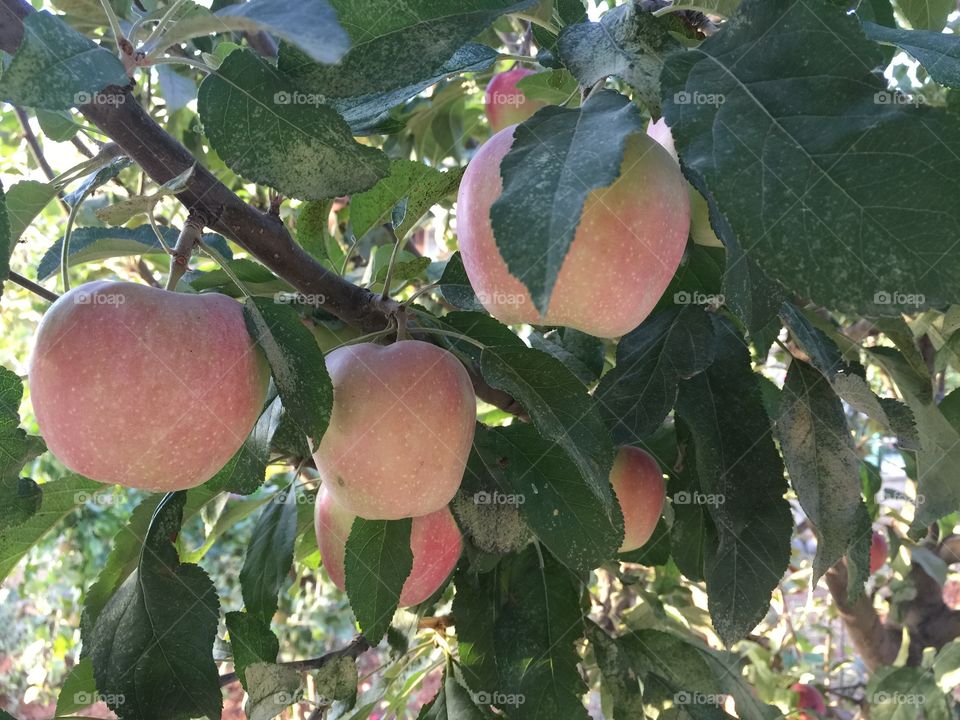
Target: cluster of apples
157,390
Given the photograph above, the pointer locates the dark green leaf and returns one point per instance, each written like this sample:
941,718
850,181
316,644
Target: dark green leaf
6,239
475,606
748,290
938,52
377,562
627,42
269,131
819,165
296,362
269,556
455,285
737,464
480,327
56,67
926,14
252,641
561,410
453,702
903,693
152,645
618,678
564,511
824,469
20,497
78,690
246,470
564,154
638,394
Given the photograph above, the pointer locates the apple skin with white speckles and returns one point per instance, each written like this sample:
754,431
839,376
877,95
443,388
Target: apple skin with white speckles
434,539
631,237
638,483
143,387
401,429
505,103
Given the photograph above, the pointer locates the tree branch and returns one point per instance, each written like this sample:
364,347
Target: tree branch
357,647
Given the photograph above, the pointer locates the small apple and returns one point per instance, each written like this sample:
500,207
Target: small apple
700,229
434,540
143,387
631,237
638,483
879,551
505,103
808,698
401,429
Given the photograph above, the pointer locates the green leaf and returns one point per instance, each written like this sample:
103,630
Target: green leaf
723,8
60,497
56,67
926,14
560,409
312,230
453,702
564,511
824,469
938,52
478,326
95,179
79,689
125,210
25,200
747,289
392,44
269,555
309,24
887,155
535,634
475,607
638,394
455,285
267,130
245,472
905,693
7,242
738,464
57,125
296,361
89,244
20,497
627,42
553,87
563,154
618,678
152,646
252,642
271,689
420,185
377,561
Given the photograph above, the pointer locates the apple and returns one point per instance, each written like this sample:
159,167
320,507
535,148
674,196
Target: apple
879,551
625,251
434,540
143,387
808,698
505,103
638,484
700,229
401,429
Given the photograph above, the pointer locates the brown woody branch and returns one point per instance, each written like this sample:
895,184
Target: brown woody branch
357,647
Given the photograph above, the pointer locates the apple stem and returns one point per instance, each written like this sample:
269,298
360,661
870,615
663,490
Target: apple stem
389,330
180,256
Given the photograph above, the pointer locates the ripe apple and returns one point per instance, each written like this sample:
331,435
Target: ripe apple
143,387
879,551
434,539
638,484
401,429
808,698
626,249
700,229
505,103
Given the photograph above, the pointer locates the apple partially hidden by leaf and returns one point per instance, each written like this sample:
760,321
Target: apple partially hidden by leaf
638,483
505,103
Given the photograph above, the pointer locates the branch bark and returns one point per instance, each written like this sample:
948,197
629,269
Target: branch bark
357,647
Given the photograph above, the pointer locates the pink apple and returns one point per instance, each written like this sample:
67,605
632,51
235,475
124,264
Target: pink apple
434,540
143,387
505,103
879,551
809,698
638,483
700,229
626,249
401,429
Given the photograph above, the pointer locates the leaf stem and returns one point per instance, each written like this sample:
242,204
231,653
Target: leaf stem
393,259
225,266
118,37
65,248
172,60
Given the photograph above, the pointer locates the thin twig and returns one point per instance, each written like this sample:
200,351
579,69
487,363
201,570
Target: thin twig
30,285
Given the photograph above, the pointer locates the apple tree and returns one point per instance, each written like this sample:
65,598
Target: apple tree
545,333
